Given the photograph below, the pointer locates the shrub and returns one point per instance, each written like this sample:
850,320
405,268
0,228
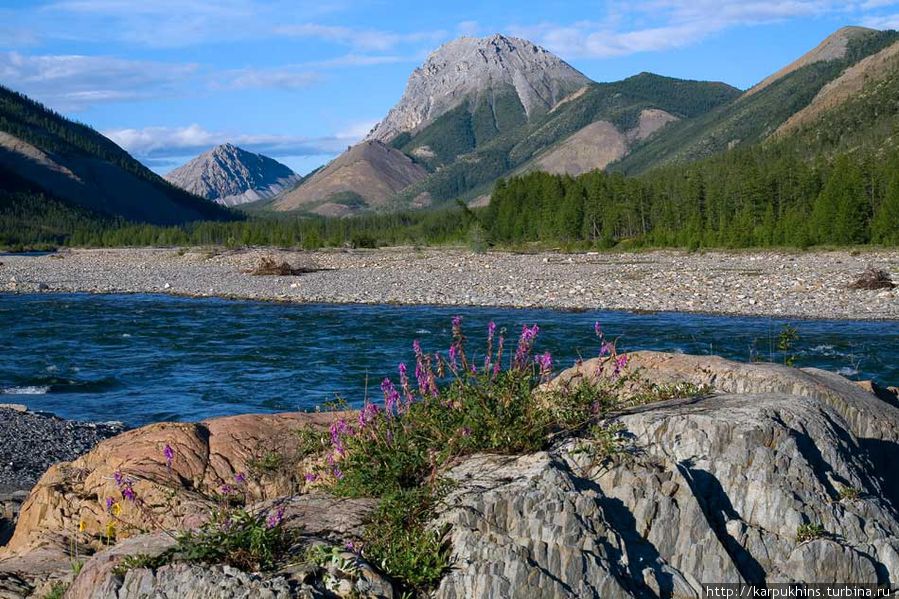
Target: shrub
809,532
457,406
232,534
268,266
849,493
873,278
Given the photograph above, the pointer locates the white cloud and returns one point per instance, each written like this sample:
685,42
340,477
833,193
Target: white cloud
882,21
659,25
278,78
155,143
361,39
74,82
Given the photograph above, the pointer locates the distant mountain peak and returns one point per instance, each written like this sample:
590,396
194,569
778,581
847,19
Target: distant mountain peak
470,67
231,175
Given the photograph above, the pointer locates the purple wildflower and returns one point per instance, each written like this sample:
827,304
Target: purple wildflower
606,349
453,354
597,328
545,361
109,503
339,428
620,363
128,493
368,414
525,344
337,472
353,547
275,518
226,489
240,478
404,383
169,454
391,397
311,477
499,355
491,330
457,326
118,478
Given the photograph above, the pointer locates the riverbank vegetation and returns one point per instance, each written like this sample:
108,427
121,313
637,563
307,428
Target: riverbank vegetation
765,196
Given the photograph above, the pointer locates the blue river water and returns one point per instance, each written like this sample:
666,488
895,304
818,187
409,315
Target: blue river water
147,358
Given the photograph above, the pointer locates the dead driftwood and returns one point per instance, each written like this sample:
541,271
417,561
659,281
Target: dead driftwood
268,266
873,278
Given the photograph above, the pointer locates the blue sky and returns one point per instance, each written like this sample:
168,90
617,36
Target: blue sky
301,80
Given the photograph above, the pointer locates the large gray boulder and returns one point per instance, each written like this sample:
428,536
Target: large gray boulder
711,490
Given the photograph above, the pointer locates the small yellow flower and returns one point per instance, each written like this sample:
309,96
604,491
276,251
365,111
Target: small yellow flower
81,526
110,529
116,509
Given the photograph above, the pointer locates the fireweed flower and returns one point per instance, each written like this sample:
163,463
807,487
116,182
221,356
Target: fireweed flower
597,328
275,518
499,355
338,429
453,353
545,362
128,493
404,383
606,349
368,414
525,344
169,454
457,326
391,397
620,363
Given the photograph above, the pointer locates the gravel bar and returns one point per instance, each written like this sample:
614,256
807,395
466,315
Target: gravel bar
795,285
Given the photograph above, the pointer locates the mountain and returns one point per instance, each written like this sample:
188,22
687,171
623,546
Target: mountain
480,109
42,152
500,80
762,110
232,176
367,175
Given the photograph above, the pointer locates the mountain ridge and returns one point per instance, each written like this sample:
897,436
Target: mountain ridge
232,176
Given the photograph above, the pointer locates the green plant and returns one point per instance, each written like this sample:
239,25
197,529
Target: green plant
268,463
603,442
785,342
397,453
143,560
849,493
241,538
809,532
57,591
401,542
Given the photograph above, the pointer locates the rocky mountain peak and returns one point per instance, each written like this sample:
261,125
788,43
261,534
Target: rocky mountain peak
231,175
468,68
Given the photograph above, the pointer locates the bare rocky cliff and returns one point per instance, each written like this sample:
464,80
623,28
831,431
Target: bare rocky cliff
467,68
232,176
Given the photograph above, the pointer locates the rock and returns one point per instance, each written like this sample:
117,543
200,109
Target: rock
15,407
42,287
231,176
207,455
469,68
713,489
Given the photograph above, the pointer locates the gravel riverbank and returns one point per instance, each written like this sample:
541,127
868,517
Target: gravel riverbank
802,284
32,442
